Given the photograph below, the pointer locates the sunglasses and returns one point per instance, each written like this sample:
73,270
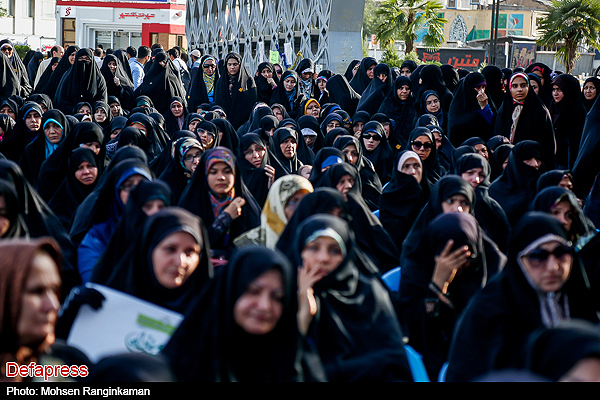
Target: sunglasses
207,66
366,136
418,145
539,257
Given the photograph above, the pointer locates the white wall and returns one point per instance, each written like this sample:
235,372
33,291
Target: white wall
36,31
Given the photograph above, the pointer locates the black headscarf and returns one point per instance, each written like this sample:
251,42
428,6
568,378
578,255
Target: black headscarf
547,353
53,78
432,78
371,236
82,82
430,331
71,193
281,134
451,77
161,84
488,211
342,93
32,62
197,198
41,221
130,226
321,200
209,346
175,174
101,204
237,101
156,137
259,110
596,82
198,92
377,90
134,273
12,211
402,113
432,169
466,119
516,187
493,330
552,178
14,144
383,155
445,188
124,91
546,88
568,119
355,330
349,74
582,229
174,124
55,168
534,123
370,182
254,177
361,80
401,200
264,90
493,78
587,164
291,100
229,137
41,148
326,157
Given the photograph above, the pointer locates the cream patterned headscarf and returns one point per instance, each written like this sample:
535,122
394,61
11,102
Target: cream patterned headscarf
272,218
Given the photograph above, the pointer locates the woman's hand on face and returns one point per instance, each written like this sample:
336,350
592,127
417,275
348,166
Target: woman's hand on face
234,209
482,98
307,305
117,81
447,265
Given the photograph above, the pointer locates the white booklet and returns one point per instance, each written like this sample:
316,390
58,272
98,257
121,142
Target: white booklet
123,324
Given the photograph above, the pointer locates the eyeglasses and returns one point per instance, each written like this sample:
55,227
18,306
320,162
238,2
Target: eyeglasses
278,71
418,145
539,257
376,138
208,66
191,158
127,187
258,150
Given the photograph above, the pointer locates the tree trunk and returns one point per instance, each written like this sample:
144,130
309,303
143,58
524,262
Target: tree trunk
410,19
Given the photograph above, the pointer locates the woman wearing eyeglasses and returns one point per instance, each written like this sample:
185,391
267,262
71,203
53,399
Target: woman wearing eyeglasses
432,104
541,285
422,142
377,149
179,171
202,87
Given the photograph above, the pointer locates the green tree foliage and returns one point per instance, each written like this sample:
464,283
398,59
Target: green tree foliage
571,23
402,19
22,50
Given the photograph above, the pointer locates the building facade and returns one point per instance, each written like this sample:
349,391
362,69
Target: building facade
29,22
119,24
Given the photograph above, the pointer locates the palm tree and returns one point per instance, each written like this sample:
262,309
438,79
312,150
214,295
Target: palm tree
571,23
401,19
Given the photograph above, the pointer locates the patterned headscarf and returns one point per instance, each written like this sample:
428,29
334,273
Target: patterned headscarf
183,146
219,202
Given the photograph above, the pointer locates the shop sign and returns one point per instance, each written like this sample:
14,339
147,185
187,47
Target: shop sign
468,59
